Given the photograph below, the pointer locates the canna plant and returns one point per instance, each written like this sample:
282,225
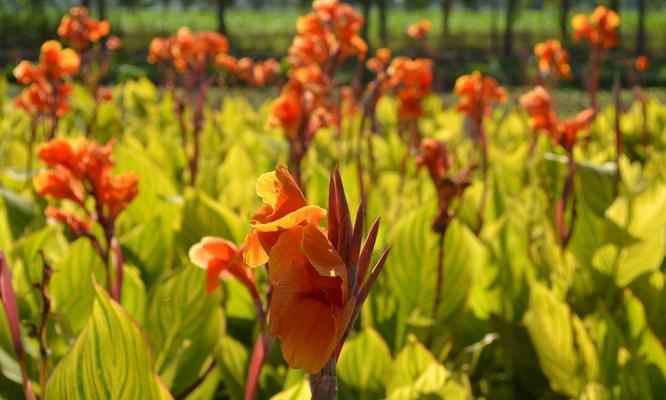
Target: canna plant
91,39
222,259
311,99
254,73
185,60
450,187
374,91
411,82
319,277
565,133
552,62
80,173
600,30
419,32
477,95
48,91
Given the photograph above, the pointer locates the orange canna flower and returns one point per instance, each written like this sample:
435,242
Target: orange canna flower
380,61
78,165
284,207
57,62
553,59
59,183
286,112
317,275
412,82
117,191
567,134
64,152
188,51
221,259
599,28
539,104
419,30
25,72
435,157
310,304
77,225
642,63
329,34
477,95
79,29
114,43
47,91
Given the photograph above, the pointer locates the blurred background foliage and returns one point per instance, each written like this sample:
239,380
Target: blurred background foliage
467,34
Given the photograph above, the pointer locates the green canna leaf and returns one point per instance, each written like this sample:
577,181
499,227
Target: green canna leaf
363,366
183,323
110,359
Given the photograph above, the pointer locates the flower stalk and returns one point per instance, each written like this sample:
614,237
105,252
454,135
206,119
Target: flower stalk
8,297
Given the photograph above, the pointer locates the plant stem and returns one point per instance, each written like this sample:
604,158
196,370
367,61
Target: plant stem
619,139
29,145
560,211
440,274
46,309
197,123
8,299
359,161
118,264
483,142
262,347
295,157
324,384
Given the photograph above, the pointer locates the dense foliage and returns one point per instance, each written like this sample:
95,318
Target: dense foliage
522,264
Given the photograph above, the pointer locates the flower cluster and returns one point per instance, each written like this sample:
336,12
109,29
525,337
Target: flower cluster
301,110
188,51
553,59
255,73
543,117
477,95
437,159
78,170
78,29
599,28
327,36
379,65
419,30
47,93
411,81
83,33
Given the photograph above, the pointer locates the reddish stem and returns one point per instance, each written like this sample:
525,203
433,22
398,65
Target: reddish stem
560,211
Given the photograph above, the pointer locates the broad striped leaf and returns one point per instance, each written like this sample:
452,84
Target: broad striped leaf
184,324
110,360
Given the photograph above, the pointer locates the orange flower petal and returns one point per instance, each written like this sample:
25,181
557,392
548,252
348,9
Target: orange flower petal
254,254
308,214
323,256
210,248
